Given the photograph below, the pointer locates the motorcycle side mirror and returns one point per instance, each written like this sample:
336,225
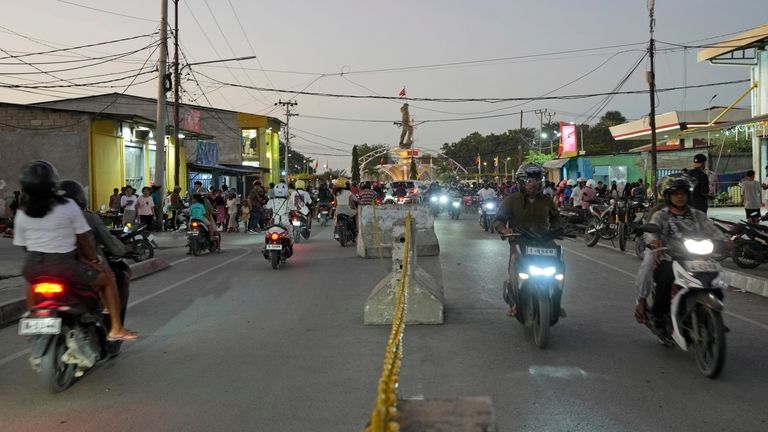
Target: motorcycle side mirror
650,228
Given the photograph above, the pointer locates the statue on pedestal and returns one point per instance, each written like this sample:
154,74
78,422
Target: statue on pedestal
406,135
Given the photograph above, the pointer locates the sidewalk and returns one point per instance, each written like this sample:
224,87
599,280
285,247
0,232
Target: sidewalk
12,285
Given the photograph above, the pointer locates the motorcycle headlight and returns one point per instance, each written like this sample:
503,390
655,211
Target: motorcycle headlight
701,247
433,199
490,206
443,199
538,271
456,204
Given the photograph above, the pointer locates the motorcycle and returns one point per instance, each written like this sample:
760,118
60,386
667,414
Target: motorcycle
278,245
198,239
324,213
437,203
138,240
696,315
602,223
344,231
470,203
68,328
751,246
299,224
454,210
540,273
488,210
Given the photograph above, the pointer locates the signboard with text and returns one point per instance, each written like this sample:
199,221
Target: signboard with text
569,144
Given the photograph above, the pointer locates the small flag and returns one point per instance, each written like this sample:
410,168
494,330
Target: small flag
315,165
477,161
495,161
402,92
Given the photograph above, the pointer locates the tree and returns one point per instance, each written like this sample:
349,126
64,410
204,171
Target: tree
535,156
355,166
297,162
413,170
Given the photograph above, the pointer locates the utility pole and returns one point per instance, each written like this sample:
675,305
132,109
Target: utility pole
541,114
176,85
161,89
652,87
288,114
549,121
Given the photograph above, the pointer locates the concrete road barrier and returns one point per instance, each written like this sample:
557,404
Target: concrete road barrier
375,230
467,414
424,295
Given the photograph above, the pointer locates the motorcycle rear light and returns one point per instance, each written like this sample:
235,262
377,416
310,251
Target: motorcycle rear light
48,289
275,236
195,224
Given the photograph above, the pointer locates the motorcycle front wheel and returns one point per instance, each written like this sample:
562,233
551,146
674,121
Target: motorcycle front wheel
709,342
274,257
742,252
591,236
622,236
541,322
56,375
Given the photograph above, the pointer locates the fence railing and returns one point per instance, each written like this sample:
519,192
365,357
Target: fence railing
384,417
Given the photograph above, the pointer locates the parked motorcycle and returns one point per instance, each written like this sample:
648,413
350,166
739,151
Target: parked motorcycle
68,329
278,245
602,224
488,211
198,239
751,247
138,240
540,273
344,231
696,316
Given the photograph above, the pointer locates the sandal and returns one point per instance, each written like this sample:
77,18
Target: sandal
512,311
125,337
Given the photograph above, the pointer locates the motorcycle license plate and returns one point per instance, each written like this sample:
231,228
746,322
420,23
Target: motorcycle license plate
274,247
540,251
702,266
34,326
296,223
324,213
193,233
490,212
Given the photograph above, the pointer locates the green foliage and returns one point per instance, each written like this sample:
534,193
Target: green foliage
296,161
535,156
355,165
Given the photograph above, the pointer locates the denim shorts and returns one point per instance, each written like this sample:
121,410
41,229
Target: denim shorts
59,265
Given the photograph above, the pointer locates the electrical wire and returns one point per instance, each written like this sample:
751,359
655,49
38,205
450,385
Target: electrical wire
109,42
106,11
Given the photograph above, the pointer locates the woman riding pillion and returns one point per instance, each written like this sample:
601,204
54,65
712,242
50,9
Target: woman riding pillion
529,208
57,239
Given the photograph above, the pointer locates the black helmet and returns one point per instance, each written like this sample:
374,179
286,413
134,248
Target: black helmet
74,190
699,158
672,184
528,172
39,177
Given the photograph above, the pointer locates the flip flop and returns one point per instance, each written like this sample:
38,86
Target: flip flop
131,336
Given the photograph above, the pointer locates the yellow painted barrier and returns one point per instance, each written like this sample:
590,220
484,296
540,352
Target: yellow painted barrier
384,417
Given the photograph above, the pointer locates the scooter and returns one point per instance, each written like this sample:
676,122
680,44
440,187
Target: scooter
454,209
198,239
696,314
324,213
139,241
488,210
300,227
68,329
278,245
344,231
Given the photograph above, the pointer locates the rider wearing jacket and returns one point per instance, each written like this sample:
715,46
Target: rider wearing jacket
530,209
657,265
301,199
280,207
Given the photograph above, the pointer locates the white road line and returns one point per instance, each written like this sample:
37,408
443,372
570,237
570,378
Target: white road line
14,356
179,261
735,315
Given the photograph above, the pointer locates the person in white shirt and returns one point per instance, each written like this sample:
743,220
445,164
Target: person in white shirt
487,192
280,207
128,204
300,200
751,200
55,235
145,207
576,193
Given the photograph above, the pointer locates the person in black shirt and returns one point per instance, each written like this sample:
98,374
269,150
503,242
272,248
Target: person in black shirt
700,195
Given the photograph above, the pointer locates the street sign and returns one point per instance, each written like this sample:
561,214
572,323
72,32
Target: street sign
412,153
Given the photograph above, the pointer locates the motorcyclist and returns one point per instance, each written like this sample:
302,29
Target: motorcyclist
528,209
324,195
588,194
56,236
107,242
301,201
199,211
346,202
487,192
657,264
280,207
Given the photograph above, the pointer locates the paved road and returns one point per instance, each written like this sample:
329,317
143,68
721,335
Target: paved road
230,344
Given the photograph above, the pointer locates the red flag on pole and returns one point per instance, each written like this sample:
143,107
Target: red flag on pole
402,92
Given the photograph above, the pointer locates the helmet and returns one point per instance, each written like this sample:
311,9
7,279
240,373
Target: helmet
699,158
581,179
341,182
529,172
670,184
39,177
571,182
300,184
74,190
591,183
281,190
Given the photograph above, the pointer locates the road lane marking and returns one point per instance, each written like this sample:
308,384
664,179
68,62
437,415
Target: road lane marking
14,356
178,261
735,315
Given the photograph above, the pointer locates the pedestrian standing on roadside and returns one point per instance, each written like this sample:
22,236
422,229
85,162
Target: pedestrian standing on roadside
128,204
157,202
232,212
145,206
176,207
245,213
751,200
700,196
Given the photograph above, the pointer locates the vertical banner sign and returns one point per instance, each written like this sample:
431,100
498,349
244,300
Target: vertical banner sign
568,146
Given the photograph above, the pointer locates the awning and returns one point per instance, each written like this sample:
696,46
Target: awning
233,170
555,163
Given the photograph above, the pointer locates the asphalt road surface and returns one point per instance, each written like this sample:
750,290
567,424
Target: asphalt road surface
231,345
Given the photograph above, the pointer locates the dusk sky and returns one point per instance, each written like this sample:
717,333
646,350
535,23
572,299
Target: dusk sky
381,47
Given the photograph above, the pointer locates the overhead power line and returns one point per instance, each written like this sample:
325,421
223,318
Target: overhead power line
79,46
106,11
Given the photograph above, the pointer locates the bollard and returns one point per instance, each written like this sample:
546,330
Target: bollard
424,295
375,230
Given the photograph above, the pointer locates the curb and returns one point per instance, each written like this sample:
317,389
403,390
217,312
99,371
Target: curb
12,310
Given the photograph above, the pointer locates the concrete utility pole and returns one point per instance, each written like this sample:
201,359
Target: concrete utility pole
549,121
176,84
288,114
652,87
161,89
541,114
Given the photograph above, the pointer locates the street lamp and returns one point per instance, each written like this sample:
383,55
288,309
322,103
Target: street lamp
506,173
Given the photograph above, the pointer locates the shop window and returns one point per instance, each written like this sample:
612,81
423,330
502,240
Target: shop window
134,166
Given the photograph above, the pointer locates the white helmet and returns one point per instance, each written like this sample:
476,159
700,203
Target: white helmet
581,179
571,182
591,183
281,190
